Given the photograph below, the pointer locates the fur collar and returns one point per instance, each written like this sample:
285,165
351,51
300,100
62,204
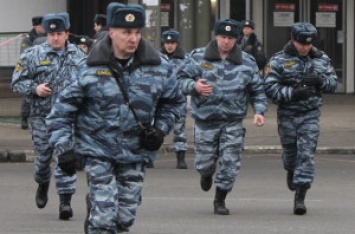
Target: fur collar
101,53
291,50
234,56
179,53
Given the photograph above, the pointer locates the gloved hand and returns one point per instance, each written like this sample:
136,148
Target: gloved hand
312,80
302,93
151,138
67,162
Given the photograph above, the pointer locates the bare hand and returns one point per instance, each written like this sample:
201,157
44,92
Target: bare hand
43,90
203,88
259,120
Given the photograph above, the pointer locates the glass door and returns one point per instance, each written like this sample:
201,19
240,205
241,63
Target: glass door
328,17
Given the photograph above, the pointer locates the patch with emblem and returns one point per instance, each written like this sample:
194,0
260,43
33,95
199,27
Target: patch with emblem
19,66
103,73
289,63
208,66
45,62
130,18
267,68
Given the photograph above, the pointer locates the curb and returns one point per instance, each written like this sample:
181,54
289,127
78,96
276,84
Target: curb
28,155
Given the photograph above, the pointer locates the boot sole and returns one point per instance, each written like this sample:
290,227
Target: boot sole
299,211
65,214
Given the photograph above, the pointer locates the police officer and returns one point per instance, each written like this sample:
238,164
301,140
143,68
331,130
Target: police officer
122,75
41,73
100,27
250,43
35,37
177,57
219,77
295,79
84,42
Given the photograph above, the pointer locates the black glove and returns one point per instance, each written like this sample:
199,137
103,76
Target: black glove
151,138
302,93
67,162
312,80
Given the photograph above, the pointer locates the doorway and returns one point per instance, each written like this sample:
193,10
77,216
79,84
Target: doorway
328,17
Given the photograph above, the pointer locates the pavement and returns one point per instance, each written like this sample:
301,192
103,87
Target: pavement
173,202
336,136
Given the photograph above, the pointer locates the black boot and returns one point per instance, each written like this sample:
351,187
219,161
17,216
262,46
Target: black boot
150,165
42,195
291,186
88,208
24,124
206,182
299,206
219,202
65,211
180,156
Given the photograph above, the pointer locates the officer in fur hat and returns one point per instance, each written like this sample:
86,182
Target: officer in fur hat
84,42
221,78
176,57
250,43
128,101
41,73
100,27
295,79
35,37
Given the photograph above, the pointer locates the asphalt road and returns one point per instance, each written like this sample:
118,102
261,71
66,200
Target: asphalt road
173,202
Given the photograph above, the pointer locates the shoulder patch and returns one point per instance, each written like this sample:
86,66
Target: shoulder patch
45,62
19,66
103,73
289,63
208,66
267,68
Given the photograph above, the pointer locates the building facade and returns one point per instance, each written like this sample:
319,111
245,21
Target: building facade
194,20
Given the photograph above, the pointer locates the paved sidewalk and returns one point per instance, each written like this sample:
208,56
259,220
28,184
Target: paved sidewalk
336,137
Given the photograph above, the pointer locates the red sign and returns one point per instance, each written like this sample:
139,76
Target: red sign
285,7
328,7
165,7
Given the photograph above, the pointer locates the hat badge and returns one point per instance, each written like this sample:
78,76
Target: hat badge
309,39
247,23
228,28
130,18
82,40
169,37
52,26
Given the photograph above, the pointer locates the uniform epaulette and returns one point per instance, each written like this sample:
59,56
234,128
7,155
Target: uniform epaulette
248,56
197,50
164,57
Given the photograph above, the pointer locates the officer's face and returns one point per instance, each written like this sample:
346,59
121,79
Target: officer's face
97,27
57,39
85,48
125,41
39,29
170,47
225,43
302,49
247,31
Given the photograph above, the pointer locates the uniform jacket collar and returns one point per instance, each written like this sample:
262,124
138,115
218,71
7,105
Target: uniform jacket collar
102,53
178,54
291,50
234,56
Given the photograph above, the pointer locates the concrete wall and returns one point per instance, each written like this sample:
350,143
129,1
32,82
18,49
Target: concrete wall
16,15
